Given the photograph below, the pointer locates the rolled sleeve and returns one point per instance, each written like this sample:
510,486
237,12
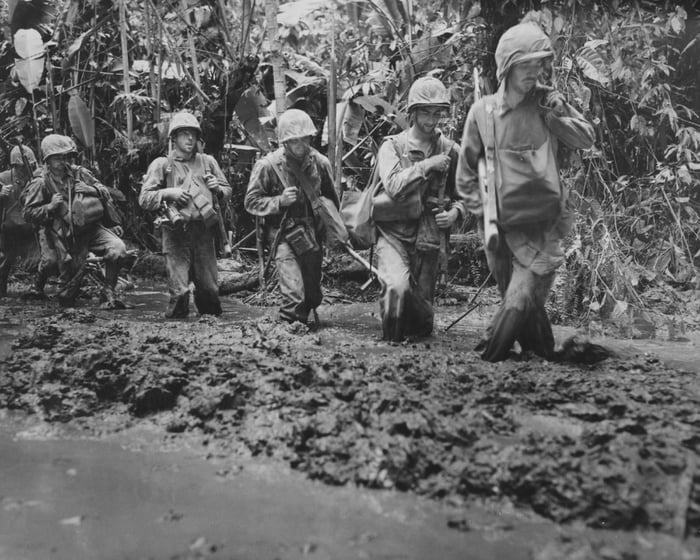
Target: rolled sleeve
467,178
151,196
398,181
571,127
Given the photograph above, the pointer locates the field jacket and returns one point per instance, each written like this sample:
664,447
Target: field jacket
45,184
167,172
265,188
401,171
526,124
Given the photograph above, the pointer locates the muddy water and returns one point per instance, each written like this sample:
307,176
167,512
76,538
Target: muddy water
68,498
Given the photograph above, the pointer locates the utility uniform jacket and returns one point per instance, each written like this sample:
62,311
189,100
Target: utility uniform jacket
265,188
11,206
45,184
173,171
401,171
527,124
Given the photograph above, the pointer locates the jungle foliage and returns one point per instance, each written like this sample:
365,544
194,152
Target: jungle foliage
110,73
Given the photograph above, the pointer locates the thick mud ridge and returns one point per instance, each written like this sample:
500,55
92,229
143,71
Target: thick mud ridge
613,445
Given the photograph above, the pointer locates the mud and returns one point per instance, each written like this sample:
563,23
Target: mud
612,445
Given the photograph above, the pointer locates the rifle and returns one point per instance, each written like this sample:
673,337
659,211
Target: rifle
221,228
273,248
488,192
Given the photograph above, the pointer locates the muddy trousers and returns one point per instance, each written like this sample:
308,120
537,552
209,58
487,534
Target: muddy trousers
48,261
17,241
300,282
406,301
190,254
521,316
103,243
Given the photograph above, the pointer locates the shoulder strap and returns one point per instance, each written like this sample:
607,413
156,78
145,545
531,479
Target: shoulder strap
490,146
305,185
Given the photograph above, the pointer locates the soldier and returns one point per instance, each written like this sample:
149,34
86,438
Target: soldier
518,130
184,184
414,212
15,234
68,201
280,188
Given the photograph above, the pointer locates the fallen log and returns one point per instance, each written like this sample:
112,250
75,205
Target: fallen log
240,282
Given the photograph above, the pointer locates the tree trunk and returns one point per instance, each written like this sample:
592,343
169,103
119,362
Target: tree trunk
271,8
125,71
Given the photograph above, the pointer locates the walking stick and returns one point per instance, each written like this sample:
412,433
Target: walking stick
470,307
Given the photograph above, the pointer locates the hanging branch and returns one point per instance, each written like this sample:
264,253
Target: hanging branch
125,70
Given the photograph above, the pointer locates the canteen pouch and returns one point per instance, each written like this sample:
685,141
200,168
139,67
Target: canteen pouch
301,240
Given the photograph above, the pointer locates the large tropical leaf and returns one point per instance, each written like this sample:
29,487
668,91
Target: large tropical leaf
29,67
81,120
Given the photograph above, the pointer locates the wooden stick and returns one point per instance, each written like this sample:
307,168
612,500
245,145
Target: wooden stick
125,71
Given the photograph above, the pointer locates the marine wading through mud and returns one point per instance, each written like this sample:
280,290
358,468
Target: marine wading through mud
613,445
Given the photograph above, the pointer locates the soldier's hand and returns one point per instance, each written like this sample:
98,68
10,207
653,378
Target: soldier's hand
56,201
82,188
6,191
178,196
439,163
212,182
555,100
445,218
289,196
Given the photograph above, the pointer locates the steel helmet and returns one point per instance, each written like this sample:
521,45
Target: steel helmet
16,156
521,43
428,92
181,120
294,123
56,144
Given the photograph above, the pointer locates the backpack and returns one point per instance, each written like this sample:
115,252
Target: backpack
356,212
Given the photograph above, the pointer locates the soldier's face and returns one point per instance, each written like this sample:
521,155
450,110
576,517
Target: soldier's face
523,76
186,140
298,147
57,163
426,119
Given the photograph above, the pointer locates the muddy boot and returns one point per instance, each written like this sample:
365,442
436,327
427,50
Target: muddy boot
111,301
392,318
208,303
37,290
179,307
507,326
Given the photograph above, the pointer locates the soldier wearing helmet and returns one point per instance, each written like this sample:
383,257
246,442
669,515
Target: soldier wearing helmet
277,191
517,131
68,202
414,211
189,184
16,236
